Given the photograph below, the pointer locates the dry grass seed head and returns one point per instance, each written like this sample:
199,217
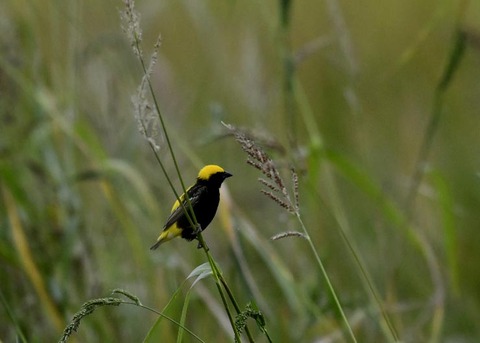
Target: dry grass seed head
254,164
145,113
130,20
295,189
288,234
270,185
279,201
259,159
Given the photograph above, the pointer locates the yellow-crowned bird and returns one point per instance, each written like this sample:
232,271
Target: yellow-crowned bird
204,197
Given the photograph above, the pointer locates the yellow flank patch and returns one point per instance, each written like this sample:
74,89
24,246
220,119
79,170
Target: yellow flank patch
208,171
182,197
170,233
176,204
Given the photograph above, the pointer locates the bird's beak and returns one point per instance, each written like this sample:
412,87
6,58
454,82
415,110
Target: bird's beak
226,174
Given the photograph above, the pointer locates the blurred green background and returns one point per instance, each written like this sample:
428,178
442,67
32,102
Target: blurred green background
82,197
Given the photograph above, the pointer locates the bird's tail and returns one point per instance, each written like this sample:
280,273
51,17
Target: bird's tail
156,245
166,235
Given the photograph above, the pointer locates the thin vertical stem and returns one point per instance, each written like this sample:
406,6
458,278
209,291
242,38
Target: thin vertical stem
455,57
327,279
288,70
220,281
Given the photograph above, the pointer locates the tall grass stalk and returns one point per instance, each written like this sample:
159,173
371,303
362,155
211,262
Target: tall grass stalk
144,118
325,275
27,259
13,319
295,96
265,165
453,62
279,194
90,306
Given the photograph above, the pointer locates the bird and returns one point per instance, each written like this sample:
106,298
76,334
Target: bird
204,197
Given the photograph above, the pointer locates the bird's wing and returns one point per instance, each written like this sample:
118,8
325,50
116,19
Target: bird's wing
178,211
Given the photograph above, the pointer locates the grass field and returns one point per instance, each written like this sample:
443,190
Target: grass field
375,106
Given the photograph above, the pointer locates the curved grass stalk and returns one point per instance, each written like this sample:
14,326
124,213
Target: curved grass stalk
90,306
135,33
327,279
279,194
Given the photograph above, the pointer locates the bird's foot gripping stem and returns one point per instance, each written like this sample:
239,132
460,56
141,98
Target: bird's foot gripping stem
198,230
